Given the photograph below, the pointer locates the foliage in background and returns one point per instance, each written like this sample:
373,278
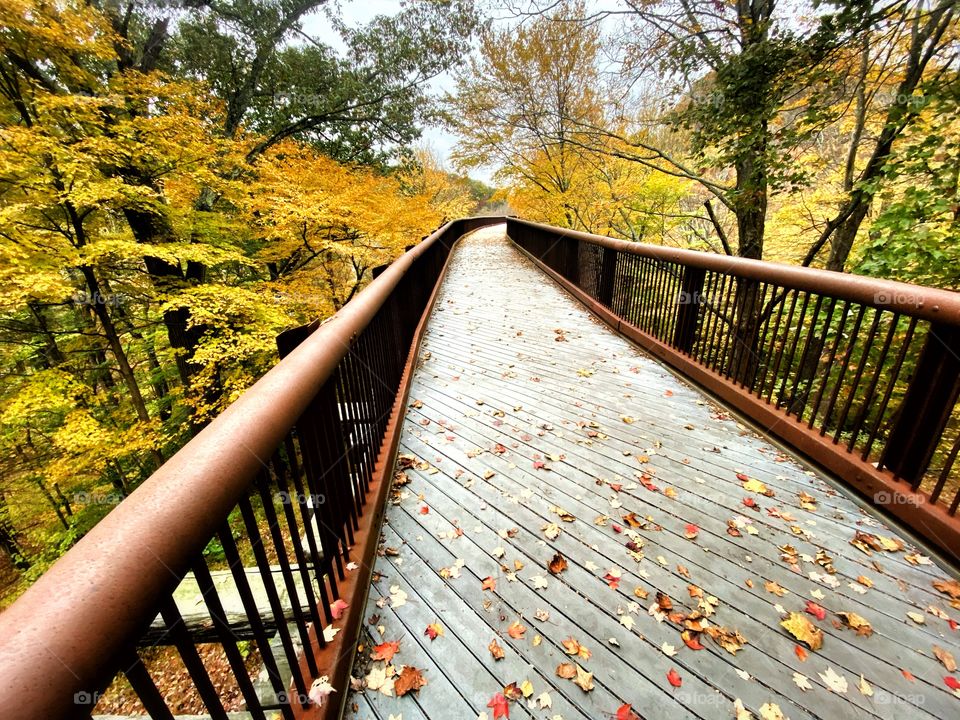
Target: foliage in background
177,186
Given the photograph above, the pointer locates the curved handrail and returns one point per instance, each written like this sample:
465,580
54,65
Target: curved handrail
65,633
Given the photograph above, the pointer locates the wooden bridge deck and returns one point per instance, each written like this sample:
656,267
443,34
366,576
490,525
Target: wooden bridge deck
527,414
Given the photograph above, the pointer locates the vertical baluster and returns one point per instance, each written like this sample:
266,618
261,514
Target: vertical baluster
242,582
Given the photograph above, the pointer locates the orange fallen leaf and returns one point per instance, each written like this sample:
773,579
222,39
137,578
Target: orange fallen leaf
386,650
411,679
495,650
558,564
516,630
489,583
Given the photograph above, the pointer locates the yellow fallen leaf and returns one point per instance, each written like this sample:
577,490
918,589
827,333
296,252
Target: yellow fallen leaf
803,630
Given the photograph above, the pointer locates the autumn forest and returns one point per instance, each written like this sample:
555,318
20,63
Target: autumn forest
182,180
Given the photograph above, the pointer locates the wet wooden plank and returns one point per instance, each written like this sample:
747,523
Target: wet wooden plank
497,392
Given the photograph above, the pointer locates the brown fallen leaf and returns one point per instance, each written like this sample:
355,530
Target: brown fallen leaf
803,630
495,650
856,622
558,564
566,670
411,679
729,640
945,657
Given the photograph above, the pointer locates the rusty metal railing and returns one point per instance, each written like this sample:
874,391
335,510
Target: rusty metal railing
862,375
289,480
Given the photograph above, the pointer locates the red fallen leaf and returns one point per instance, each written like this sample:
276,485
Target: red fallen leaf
818,612
539,465
953,625
668,393
617,487
612,581
499,449
616,528
648,484
908,675
674,678
424,510
691,531
500,706
433,631
690,640
742,478
337,607
625,712
386,651
489,583
750,502
801,652
952,682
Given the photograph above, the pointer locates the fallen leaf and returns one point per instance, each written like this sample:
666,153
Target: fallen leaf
803,630
584,679
948,587
668,649
337,607
691,531
918,618
489,583
544,700
856,622
773,587
495,650
625,712
837,683
433,631
674,678
817,611
386,651
945,657
566,670
558,564
411,679
802,682
771,711
321,689
864,687
551,530
500,706
573,647
740,712
801,652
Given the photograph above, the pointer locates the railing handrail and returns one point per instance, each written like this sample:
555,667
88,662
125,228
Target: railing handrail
920,301
66,631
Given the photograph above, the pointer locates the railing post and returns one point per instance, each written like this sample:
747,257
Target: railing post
608,268
688,308
926,407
